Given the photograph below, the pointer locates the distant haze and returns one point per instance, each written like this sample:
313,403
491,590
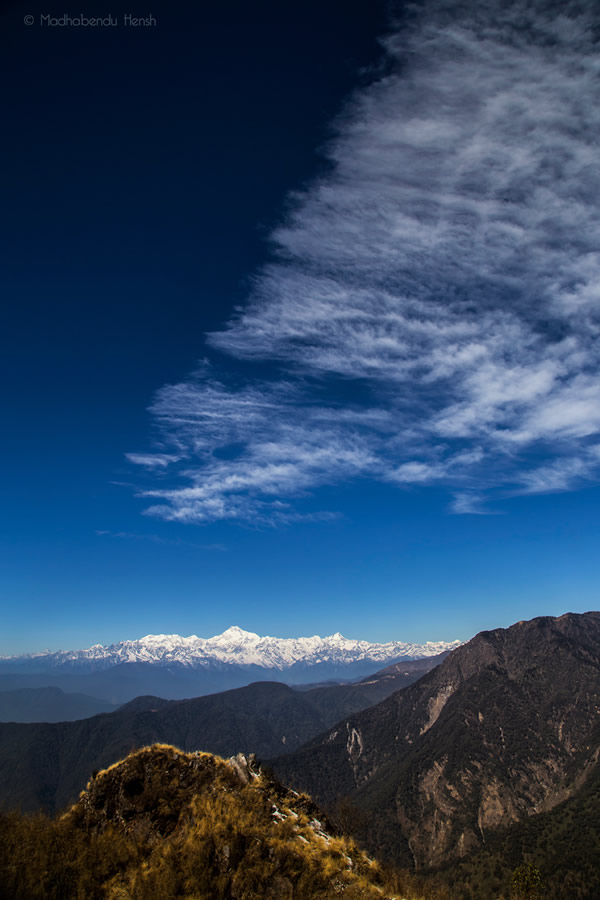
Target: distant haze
172,666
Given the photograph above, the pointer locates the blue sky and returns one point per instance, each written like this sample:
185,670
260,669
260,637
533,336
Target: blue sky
301,322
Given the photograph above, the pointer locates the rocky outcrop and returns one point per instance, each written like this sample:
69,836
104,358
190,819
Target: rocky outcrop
224,827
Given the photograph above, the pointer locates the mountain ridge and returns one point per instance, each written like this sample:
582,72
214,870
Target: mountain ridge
47,764
505,727
234,645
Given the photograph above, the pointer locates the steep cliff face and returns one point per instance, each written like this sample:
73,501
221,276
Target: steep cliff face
505,727
563,844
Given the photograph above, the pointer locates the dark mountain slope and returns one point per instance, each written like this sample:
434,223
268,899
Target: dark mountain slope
502,729
47,765
339,700
48,704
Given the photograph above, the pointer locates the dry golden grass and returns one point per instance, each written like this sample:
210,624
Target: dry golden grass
164,824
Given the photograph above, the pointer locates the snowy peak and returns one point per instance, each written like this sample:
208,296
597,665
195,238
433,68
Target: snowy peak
235,632
234,636
238,647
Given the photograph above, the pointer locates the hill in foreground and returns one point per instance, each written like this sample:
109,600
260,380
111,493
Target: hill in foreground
163,824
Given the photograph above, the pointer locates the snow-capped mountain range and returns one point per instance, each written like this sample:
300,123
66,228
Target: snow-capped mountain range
233,647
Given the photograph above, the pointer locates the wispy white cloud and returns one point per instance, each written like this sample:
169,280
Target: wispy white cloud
562,473
443,274
471,503
152,460
157,539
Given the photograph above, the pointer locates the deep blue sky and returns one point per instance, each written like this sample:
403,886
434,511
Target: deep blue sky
145,171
